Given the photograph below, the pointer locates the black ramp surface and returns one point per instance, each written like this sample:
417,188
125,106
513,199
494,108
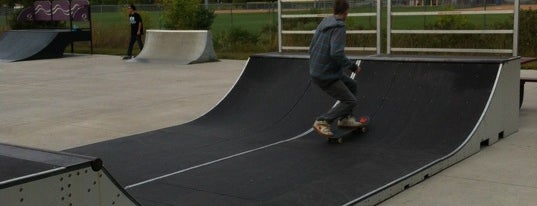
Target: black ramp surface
420,112
14,168
272,100
18,45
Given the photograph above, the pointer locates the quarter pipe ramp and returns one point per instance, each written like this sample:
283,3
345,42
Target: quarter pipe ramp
177,46
19,45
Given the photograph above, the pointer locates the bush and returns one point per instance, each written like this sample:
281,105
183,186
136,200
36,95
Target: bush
241,43
528,33
204,19
235,39
186,14
485,41
268,38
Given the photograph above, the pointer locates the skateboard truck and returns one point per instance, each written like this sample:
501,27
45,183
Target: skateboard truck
341,132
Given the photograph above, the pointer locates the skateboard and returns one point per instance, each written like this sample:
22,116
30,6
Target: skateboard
342,132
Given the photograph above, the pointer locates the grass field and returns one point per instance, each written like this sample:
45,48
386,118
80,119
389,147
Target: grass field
531,65
252,22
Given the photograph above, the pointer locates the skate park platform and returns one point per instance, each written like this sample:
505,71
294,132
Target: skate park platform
20,45
40,177
177,46
498,172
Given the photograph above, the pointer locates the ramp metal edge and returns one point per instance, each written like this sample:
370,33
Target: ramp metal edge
402,58
445,59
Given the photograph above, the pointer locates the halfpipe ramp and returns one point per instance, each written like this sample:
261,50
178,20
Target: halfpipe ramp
256,146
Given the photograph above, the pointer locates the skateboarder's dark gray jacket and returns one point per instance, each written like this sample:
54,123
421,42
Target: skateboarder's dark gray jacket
327,57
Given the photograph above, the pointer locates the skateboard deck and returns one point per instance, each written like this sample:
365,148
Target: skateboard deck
341,132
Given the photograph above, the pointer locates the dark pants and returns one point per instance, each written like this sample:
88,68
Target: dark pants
135,38
343,90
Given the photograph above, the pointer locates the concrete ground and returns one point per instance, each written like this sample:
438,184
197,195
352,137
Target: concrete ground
77,100
81,99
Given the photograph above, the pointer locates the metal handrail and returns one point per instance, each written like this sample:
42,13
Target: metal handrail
281,16
514,31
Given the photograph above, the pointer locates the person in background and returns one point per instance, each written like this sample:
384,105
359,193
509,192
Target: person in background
137,30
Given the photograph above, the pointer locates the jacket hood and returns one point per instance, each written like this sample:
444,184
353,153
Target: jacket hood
330,22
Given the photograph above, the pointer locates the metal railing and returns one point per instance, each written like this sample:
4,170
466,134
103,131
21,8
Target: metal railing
390,31
514,31
281,32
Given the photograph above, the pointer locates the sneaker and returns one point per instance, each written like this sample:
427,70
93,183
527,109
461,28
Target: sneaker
323,128
128,57
348,121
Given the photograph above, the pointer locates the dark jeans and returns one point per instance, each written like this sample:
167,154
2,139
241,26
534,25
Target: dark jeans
343,90
135,38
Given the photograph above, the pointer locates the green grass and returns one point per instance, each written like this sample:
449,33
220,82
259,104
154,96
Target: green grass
411,22
531,65
419,22
252,22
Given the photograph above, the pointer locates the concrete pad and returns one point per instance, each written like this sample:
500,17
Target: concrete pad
440,191
62,103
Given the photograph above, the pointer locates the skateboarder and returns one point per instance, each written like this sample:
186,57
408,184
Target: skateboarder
137,30
327,62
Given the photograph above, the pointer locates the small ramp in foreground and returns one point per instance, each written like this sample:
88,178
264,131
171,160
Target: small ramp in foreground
38,177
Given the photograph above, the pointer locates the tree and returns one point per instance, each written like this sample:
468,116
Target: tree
186,14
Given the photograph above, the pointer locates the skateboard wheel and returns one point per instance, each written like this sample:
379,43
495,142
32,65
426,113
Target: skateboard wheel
364,129
335,140
360,130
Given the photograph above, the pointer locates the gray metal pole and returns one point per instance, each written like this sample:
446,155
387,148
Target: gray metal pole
279,26
379,37
516,27
389,27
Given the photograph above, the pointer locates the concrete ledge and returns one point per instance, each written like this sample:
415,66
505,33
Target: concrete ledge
177,46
